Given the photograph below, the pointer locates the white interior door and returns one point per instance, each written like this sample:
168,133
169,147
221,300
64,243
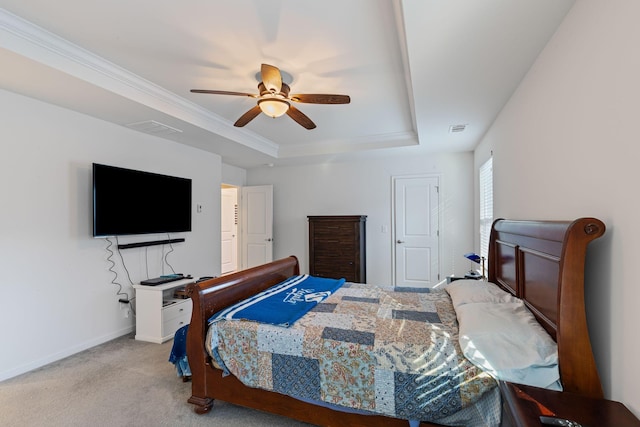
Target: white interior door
229,230
257,225
416,212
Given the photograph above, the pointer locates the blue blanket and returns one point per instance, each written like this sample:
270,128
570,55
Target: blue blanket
284,303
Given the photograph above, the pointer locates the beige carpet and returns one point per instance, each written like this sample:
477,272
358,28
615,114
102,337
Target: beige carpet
121,383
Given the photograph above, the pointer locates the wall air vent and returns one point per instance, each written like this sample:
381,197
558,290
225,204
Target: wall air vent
154,128
457,128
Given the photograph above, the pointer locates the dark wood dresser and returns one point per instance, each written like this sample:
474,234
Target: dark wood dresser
337,247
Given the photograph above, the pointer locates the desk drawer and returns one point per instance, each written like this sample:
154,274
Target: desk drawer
180,309
169,327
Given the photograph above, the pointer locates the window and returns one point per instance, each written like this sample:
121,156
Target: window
486,205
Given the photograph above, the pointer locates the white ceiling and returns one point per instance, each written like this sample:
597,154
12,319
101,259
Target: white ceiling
412,68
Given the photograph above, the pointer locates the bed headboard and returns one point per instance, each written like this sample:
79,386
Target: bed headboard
542,262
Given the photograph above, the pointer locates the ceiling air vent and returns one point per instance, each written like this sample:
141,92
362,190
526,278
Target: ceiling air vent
154,128
457,128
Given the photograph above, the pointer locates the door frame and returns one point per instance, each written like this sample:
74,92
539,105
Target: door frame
393,220
242,239
238,236
244,218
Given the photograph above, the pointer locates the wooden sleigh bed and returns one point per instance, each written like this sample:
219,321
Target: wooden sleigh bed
540,262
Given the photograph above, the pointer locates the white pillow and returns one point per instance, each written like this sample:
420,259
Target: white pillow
506,341
473,291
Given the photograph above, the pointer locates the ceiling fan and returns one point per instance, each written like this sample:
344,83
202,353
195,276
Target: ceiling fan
274,99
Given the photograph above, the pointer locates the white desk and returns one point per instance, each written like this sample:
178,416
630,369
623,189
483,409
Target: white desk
158,314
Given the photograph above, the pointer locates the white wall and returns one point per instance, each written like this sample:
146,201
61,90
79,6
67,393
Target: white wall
233,175
364,187
564,147
59,298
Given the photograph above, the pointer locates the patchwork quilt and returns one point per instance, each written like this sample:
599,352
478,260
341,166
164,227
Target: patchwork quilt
376,349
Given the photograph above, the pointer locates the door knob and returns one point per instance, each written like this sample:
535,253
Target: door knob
400,241
268,240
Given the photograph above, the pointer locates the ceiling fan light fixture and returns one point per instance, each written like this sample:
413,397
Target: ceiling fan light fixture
274,99
273,107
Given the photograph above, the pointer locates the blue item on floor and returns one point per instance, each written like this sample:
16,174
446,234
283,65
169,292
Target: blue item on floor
178,354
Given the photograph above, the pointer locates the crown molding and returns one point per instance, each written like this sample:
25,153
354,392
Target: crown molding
372,142
29,40
398,14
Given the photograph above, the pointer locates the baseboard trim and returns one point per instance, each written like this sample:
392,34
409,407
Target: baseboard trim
23,369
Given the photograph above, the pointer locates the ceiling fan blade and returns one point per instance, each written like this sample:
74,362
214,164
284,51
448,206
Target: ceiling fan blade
321,99
300,117
271,78
223,92
247,117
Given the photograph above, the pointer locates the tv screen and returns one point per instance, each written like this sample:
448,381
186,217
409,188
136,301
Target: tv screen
127,201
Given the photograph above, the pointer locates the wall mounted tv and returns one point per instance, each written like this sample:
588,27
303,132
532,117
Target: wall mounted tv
127,201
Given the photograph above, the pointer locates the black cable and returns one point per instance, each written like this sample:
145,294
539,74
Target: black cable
162,257
167,254
114,281
123,264
133,310
146,259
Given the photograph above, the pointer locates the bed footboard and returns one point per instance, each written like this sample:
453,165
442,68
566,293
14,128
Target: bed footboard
213,295
207,382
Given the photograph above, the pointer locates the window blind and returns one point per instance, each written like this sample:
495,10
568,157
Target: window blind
486,205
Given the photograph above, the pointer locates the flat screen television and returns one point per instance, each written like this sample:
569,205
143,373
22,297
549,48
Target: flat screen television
127,201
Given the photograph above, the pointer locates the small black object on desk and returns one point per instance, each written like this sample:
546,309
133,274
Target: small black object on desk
161,280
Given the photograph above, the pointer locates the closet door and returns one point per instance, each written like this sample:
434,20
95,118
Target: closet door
337,247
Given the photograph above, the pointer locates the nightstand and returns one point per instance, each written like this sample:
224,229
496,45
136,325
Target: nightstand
523,405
